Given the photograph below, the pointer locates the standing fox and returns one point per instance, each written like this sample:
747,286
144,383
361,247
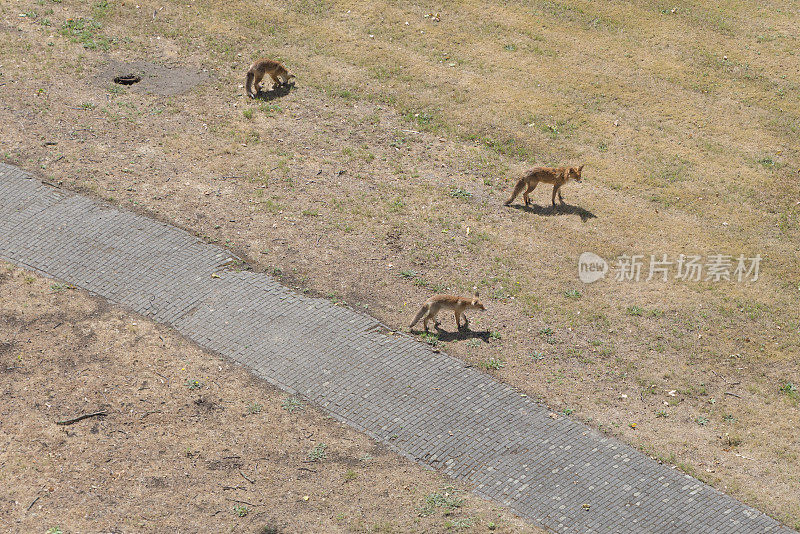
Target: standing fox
263,66
459,305
558,176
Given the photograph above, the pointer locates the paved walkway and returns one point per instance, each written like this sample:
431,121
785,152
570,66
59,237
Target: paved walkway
426,406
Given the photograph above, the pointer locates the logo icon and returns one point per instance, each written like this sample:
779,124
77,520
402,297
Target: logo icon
591,267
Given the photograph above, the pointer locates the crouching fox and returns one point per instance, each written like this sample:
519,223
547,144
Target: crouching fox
259,69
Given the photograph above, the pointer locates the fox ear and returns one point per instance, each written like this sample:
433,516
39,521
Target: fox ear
579,168
474,301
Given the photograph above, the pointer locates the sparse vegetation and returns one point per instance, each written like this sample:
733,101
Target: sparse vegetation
318,453
85,32
492,364
457,192
292,404
447,500
634,311
789,389
429,338
194,383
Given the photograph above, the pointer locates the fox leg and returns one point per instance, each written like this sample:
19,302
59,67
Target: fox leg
517,189
430,316
528,192
275,80
257,81
555,190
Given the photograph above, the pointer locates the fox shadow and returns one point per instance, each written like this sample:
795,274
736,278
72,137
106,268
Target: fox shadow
276,92
460,334
558,209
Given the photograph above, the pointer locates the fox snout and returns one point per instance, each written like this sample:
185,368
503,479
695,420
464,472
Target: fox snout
577,174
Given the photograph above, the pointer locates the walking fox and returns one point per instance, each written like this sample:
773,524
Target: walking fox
558,176
458,304
263,66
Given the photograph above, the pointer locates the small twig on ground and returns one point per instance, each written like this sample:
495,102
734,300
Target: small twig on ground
307,469
242,502
250,480
145,414
230,457
34,502
13,367
732,394
82,417
232,487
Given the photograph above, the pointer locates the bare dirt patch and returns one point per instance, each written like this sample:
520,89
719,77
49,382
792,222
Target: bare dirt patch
154,78
190,442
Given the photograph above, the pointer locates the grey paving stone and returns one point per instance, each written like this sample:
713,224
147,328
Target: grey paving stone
428,407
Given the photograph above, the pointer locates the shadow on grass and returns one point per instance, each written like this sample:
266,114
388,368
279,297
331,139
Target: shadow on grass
462,333
558,209
275,92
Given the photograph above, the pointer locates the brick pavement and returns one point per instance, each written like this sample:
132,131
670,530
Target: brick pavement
426,406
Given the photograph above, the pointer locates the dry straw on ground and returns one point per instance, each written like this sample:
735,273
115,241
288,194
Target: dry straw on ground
380,178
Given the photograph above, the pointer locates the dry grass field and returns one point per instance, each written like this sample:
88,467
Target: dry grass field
379,179
190,442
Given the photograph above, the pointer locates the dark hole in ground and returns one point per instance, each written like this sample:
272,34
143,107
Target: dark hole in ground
127,79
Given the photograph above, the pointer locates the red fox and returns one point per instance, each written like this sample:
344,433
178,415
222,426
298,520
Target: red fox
434,304
558,176
263,66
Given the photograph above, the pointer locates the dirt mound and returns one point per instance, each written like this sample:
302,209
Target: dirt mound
166,80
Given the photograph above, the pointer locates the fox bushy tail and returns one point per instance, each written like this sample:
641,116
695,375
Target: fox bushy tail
517,190
419,316
249,82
